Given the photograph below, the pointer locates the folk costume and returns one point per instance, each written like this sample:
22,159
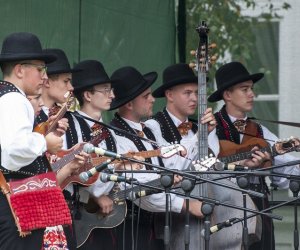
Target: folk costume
19,145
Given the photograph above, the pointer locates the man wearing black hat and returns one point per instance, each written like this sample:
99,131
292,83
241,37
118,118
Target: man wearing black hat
180,88
23,65
94,92
235,86
135,102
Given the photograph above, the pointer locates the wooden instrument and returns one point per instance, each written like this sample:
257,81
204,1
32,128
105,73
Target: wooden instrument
166,151
66,156
91,218
50,125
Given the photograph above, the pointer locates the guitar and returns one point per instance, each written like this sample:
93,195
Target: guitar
67,156
238,152
91,218
164,152
50,125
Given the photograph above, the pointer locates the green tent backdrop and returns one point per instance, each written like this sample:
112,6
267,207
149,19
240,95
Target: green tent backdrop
116,32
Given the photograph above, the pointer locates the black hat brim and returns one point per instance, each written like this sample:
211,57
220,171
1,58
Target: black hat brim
150,78
218,94
19,57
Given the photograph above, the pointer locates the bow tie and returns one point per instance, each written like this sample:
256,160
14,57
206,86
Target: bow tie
139,132
240,125
184,128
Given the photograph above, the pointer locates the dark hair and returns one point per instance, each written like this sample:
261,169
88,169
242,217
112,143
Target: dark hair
79,94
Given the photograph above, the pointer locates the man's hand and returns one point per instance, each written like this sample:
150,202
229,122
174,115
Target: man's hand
105,204
209,118
195,208
258,158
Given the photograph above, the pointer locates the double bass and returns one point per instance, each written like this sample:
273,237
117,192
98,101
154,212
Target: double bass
231,237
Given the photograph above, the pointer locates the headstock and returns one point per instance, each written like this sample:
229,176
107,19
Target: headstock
287,145
205,164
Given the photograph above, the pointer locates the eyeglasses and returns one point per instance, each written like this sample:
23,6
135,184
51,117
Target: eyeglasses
41,68
105,91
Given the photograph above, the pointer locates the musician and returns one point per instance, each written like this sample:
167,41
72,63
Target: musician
235,87
180,88
23,66
94,92
135,102
54,92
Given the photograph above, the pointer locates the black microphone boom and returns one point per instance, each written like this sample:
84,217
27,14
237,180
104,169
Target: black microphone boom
84,176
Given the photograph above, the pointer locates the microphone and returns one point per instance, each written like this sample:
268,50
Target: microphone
219,226
220,166
138,194
90,148
84,176
112,177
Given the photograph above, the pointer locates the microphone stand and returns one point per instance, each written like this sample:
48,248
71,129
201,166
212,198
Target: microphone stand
207,210
167,180
187,186
295,187
243,182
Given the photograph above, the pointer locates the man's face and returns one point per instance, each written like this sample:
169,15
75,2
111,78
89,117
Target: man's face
240,97
58,86
33,76
142,106
183,99
101,97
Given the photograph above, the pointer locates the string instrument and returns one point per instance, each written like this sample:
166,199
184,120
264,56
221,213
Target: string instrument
232,152
66,156
164,152
50,125
91,217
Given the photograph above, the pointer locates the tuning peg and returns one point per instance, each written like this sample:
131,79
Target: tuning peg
192,65
193,52
212,46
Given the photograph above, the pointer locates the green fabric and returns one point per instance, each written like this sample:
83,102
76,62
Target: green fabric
139,33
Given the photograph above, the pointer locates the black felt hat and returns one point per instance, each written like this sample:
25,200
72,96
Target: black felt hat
229,75
91,72
23,46
129,83
174,75
60,65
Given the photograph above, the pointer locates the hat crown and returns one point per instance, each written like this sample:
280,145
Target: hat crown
21,42
178,72
230,72
127,78
60,65
90,73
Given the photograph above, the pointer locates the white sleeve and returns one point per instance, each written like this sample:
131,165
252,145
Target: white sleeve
281,182
19,145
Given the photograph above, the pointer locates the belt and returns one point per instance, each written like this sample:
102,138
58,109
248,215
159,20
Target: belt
260,187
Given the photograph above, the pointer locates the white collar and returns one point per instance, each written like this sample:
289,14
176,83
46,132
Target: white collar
175,120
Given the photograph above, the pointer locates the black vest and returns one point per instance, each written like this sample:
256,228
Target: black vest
71,133
168,129
41,163
120,123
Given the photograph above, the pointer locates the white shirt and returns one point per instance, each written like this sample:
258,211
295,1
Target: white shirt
154,202
20,146
189,141
98,188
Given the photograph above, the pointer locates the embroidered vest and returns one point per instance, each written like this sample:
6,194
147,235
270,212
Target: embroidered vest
71,133
41,163
120,123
